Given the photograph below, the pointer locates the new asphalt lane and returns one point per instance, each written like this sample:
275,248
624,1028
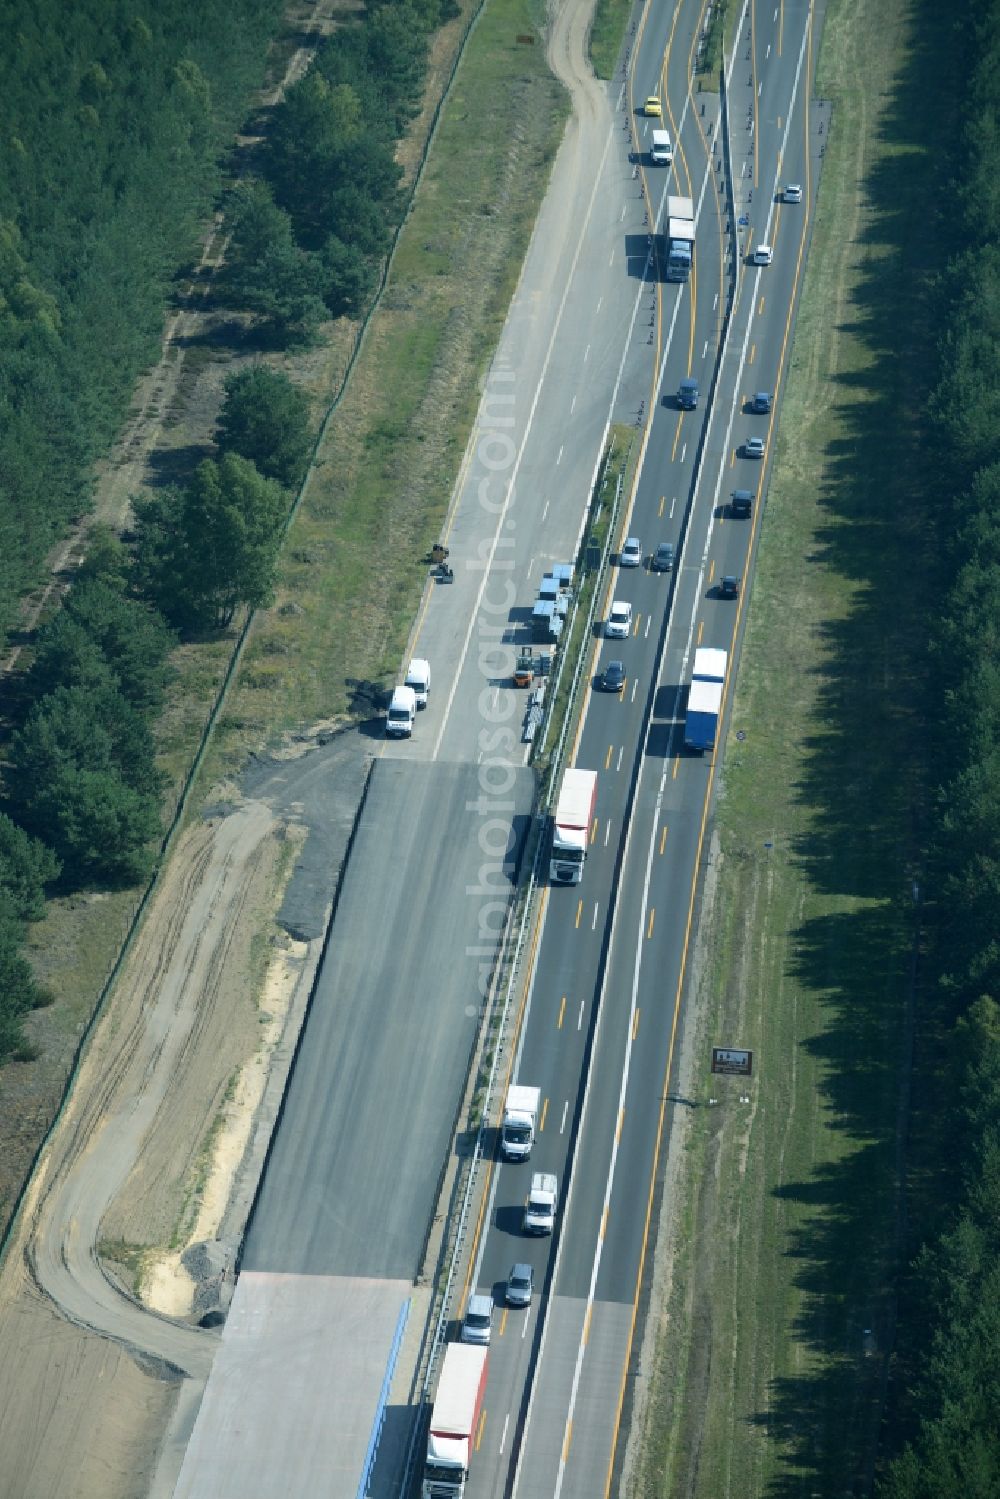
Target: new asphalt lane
355,1163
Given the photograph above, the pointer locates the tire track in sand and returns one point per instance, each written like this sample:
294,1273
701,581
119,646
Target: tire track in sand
144,1041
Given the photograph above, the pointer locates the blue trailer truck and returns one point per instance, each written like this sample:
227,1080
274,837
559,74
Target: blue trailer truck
704,705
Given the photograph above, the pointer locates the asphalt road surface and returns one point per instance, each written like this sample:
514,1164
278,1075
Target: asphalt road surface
593,336
385,1050
609,976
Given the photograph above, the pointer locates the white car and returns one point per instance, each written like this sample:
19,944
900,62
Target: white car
763,255
792,193
631,553
618,624
753,447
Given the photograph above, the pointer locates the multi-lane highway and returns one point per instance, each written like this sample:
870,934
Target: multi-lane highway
605,1006
593,337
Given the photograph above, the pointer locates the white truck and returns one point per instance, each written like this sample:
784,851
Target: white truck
402,712
520,1120
680,238
540,1208
571,826
457,1404
419,678
709,664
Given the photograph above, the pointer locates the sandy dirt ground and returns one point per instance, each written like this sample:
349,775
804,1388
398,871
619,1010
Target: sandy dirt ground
181,1021
128,1235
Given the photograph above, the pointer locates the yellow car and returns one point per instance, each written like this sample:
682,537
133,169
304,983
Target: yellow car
652,107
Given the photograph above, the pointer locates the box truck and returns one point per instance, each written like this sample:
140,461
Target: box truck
701,722
419,678
452,1435
520,1120
571,822
680,238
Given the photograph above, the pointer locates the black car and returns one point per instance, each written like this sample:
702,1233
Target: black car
662,560
761,402
741,503
612,679
729,587
687,395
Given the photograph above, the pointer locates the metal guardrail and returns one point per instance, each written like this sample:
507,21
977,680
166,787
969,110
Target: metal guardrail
383,1400
559,750
437,1339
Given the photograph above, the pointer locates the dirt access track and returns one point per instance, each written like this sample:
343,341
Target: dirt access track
159,1143
81,1411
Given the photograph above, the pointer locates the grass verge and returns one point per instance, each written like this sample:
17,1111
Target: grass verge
771,1352
721,23
354,566
620,458
606,34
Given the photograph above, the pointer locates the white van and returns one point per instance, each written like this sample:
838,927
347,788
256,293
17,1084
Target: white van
661,151
618,625
419,678
402,712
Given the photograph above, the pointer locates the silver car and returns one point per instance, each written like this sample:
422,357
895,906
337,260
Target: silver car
631,554
478,1324
520,1283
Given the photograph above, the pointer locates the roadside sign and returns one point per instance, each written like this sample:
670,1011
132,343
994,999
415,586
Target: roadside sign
731,1061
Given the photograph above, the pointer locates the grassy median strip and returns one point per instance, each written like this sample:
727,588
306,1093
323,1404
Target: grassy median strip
354,565
616,475
606,33
771,1347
